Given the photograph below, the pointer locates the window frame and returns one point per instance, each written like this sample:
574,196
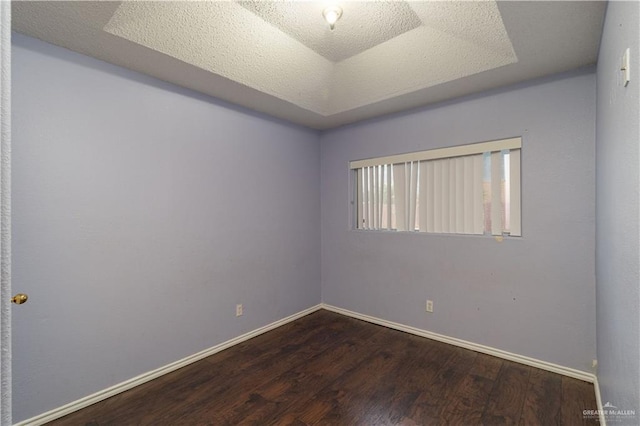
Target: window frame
494,148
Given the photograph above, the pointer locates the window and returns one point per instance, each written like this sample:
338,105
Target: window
468,189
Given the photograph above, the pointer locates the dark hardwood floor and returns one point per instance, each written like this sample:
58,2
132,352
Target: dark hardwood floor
328,369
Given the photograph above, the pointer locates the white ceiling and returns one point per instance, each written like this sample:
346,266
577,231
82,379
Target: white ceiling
281,58
364,24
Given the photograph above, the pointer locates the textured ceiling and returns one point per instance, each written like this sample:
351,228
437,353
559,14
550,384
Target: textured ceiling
282,59
363,25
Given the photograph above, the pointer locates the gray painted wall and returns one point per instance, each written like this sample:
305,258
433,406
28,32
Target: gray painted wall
142,214
5,213
136,231
618,187
534,295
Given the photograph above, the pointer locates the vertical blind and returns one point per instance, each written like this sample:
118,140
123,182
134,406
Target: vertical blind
469,189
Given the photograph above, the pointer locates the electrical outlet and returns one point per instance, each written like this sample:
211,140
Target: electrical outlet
238,310
429,305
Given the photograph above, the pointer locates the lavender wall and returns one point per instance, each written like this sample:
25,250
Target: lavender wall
532,296
142,213
618,212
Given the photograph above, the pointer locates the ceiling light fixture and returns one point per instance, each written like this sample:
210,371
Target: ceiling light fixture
331,15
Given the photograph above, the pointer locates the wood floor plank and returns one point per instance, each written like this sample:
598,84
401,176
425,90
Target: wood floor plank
440,384
419,380
215,401
292,390
355,397
577,396
544,399
486,366
406,385
505,402
328,369
467,405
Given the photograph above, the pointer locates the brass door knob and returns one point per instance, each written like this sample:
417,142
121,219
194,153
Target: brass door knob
19,298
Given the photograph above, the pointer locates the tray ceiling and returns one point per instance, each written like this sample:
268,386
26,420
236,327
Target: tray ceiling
281,58
364,24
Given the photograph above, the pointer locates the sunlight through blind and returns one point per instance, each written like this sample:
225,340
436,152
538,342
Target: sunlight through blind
469,189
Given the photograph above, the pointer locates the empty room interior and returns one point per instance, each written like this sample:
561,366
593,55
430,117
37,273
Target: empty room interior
307,212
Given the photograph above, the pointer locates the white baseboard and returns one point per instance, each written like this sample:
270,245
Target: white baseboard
596,386
143,378
532,362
